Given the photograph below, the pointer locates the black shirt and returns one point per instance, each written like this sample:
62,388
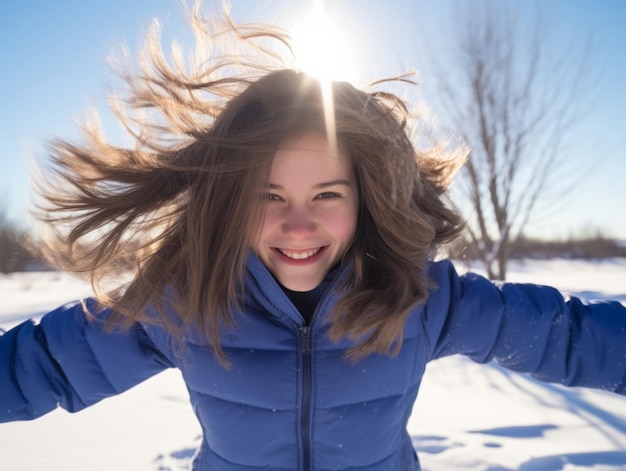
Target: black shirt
306,301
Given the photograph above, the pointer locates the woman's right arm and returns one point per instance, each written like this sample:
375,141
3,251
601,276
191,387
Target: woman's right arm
70,361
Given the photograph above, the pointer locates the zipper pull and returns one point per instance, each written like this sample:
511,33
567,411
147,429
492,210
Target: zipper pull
305,339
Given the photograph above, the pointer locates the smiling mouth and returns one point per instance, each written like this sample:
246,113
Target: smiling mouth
299,254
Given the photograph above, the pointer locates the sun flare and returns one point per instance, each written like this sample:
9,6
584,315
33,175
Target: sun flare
322,48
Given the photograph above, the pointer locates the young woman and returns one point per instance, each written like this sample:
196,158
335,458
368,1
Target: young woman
284,265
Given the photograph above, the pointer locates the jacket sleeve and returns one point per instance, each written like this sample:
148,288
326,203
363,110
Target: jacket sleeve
69,361
527,328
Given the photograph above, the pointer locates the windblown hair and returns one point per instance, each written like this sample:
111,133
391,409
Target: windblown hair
174,211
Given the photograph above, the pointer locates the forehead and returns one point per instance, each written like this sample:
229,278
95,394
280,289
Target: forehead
311,151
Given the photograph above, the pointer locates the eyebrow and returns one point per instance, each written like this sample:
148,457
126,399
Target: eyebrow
274,186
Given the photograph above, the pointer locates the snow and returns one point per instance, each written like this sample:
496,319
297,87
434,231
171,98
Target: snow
467,417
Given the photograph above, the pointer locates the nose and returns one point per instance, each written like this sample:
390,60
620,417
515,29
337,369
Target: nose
299,222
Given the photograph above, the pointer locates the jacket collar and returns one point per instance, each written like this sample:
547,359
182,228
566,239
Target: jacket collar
263,288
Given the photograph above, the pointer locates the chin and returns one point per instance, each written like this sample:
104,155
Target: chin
304,285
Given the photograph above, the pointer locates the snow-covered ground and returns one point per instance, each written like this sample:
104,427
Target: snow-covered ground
467,417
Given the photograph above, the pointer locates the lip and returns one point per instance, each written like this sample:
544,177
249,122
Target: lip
298,262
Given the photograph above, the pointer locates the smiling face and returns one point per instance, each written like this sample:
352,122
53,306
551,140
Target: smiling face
311,214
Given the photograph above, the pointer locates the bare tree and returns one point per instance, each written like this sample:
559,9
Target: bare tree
14,254
515,97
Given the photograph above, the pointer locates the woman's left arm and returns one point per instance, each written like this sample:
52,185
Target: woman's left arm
527,328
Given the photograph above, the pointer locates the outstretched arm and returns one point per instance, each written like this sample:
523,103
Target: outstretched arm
69,361
528,328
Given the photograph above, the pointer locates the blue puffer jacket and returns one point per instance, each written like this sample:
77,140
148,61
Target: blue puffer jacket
290,402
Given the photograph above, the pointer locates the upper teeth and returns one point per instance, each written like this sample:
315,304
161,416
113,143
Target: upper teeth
300,255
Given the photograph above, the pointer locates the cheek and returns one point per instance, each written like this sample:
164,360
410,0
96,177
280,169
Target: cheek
343,224
266,226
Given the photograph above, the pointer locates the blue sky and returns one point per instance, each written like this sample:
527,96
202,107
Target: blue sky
53,57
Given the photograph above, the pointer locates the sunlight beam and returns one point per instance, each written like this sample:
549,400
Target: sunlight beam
323,50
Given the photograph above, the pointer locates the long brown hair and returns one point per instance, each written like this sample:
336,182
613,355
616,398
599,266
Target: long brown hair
175,210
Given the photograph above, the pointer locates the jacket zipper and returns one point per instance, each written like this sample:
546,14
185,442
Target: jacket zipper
307,381
305,422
